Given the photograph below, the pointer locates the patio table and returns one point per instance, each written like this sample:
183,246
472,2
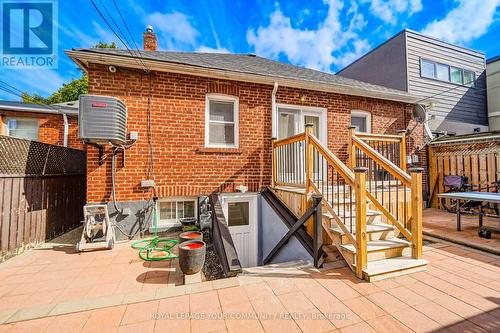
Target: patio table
488,197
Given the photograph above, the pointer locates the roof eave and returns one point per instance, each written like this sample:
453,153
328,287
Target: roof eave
36,110
82,59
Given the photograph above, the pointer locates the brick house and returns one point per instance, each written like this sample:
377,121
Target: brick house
56,124
206,122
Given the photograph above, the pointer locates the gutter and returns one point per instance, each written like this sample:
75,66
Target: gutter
35,110
274,112
83,58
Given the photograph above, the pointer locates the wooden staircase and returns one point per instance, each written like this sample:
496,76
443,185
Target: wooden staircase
375,222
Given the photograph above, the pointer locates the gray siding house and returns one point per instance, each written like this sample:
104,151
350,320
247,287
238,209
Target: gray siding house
452,77
493,84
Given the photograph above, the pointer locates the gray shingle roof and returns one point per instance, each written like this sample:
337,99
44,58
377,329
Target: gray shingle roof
70,108
250,64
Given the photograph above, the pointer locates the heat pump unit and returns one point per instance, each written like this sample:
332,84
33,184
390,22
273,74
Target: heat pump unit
102,120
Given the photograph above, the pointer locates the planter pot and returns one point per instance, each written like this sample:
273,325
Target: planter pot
192,256
187,221
191,236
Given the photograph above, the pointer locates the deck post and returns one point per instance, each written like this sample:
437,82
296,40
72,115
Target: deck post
402,150
416,212
361,236
318,230
274,163
309,172
352,148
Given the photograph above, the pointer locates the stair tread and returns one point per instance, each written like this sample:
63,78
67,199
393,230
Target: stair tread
379,245
392,265
369,213
370,228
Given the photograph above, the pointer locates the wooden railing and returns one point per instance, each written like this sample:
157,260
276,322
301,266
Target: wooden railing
319,171
393,147
302,161
397,194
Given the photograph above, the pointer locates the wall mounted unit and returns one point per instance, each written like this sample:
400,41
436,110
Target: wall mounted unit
102,120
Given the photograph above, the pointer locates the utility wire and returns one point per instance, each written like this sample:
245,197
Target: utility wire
131,36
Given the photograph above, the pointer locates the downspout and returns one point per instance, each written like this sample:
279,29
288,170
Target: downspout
274,114
66,129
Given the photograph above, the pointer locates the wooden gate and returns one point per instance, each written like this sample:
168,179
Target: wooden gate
42,192
478,160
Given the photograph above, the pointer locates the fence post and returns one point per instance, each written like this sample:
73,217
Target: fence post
318,230
402,150
275,169
352,148
416,212
361,237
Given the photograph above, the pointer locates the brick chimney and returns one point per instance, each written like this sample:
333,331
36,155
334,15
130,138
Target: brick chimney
149,40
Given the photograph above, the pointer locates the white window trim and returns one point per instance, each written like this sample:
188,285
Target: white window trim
308,110
224,98
364,114
7,129
169,222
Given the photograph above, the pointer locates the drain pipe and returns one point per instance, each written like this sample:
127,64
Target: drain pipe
66,129
274,114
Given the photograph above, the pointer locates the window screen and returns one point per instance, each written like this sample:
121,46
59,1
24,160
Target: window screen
427,69
359,122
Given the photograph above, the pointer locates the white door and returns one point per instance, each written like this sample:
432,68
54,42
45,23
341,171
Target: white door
241,215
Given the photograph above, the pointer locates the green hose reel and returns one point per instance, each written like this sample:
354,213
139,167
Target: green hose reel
155,249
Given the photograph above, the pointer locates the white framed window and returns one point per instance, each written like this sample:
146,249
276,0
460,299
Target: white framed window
362,120
171,210
23,128
222,121
442,72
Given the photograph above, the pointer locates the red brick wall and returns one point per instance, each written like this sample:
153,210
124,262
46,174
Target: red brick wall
182,166
51,127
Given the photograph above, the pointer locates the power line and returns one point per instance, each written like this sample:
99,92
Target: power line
130,34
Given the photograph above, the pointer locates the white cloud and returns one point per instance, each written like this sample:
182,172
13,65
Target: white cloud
469,20
389,10
82,39
207,49
174,30
318,48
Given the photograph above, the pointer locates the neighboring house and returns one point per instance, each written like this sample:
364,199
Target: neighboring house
493,92
55,124
209,119
449,77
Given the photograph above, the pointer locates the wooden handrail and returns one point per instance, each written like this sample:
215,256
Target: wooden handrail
378,137
341,168
382,160
290,139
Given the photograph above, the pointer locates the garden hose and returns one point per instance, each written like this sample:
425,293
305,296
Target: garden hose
155,249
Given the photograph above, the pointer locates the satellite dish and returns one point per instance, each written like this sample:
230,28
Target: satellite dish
419,113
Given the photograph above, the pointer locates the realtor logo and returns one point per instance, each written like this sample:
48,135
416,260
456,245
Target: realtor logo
29,34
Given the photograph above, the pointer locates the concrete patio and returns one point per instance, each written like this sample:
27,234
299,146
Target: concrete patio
56,290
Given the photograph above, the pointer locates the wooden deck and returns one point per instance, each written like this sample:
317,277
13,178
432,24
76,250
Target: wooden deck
442,224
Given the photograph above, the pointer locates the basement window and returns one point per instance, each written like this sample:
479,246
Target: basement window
362,120
172,210
22,128
221,125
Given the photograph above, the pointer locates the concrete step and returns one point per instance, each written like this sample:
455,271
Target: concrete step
380,249
389,268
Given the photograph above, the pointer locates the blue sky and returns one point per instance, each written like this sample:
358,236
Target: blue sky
325,35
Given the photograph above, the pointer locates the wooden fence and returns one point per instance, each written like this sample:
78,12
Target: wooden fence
42,192
478,161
